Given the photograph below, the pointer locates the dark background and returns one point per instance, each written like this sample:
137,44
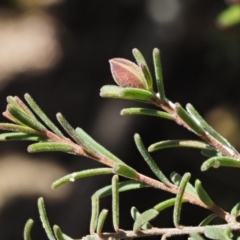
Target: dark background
58,51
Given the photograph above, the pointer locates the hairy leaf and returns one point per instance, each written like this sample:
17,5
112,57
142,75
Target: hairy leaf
144,218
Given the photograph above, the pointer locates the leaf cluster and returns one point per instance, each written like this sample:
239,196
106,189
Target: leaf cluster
135,82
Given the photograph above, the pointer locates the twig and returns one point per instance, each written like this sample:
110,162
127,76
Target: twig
168,231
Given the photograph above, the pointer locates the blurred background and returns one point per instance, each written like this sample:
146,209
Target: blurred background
58,51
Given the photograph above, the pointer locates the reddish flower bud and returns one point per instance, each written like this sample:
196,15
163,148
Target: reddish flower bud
127,74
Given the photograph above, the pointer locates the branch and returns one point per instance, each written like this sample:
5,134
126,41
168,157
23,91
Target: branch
168,232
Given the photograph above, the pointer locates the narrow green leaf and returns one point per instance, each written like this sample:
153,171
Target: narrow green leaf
94,213
146,111
179,199
142,62
122,187
195,115
176,179
27,229
42,115
106,191
202,194
115,203
230,16
235,210
7,115
68,128
58,233
207,220
24,107
192,123
158,73
44,219
17,102
138,56
147,76
166,204
177,143
149,160
210,153
220,161
93,147
26,119
20,136
111,91
67,237
136,214
144,218
218,233
195,236
17,128
101,220
125,171
136,94
50,147
11,100
82,174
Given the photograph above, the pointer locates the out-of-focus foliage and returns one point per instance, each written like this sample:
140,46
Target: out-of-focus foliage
230,16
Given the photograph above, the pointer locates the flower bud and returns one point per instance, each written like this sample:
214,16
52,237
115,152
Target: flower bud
127,74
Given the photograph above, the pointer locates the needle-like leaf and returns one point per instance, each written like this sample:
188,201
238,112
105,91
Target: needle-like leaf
177,178
111,91
94,213
94,147
17,128
136,214
207,220
143,64
26,119
122,187
27,229
147,76
21,136
197,117
124,170
137,94
179,199
68,128
182,113
146,111
177,143
58,233
235,210
220,161
42,115
158,73
115,203
82,174
24,107
144,218
50,147
166,204
202,194
149,160
44,219
101,220
106,191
